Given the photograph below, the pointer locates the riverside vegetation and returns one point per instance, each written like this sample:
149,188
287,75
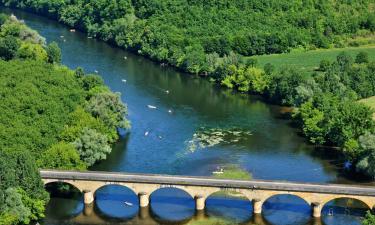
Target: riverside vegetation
51,117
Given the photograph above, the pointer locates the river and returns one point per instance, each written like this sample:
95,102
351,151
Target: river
170,139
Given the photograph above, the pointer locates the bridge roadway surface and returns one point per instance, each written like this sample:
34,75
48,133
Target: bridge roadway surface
208,182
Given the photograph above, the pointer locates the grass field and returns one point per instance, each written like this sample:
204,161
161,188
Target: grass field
370,102
309,60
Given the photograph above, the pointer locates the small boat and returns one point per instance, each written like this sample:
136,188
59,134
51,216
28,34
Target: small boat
167,91
170,111
151,106
146,133
96,71
123,80
128,203
72,30
125,57
89,37
221,171
62,36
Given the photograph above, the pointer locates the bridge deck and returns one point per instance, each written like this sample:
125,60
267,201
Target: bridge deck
208,182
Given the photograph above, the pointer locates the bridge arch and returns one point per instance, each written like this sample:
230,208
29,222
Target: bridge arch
116,201
229,204
366,202
277,205
172,203
49,182
293,195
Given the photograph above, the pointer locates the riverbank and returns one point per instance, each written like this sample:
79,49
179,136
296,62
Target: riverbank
51,117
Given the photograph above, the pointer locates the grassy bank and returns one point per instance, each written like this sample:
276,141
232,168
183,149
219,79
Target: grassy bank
309,60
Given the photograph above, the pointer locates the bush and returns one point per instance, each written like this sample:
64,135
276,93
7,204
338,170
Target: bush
53,53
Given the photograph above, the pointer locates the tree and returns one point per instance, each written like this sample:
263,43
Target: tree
362,57
324,65
8,47
32,51
109,108
15,206
61,156
53,53
367,146
92,146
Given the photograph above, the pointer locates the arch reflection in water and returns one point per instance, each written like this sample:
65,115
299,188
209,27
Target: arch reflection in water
66,200
344,211
172,204
286,209
229,205
116,201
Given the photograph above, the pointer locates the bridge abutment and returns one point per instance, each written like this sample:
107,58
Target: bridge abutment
144,199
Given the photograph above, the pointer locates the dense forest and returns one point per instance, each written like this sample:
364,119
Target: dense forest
51,117
194,35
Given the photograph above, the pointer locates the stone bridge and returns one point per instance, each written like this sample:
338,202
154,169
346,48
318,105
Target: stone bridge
200,188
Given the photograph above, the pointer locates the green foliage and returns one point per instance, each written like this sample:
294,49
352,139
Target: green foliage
369,220
109,108
43,122
8,47
80,119
92,146
367,147
53,53
62,156
362,57
184,33
32,51
283,84
14,206
22,195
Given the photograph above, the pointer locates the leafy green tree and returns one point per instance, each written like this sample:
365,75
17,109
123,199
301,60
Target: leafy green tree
92,146
53,53
283,84
362,57
8,47
367,146
32,51
61,156
109,108
15,206
324,65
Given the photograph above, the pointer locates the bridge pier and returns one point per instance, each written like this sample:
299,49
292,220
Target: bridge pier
257,206
200,202
88,197
144,212
144,199
316,209
88,209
